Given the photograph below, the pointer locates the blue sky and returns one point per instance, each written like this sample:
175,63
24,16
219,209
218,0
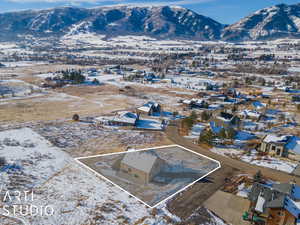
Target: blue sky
224,11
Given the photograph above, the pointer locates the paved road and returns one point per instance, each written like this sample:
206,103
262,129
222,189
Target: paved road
173,135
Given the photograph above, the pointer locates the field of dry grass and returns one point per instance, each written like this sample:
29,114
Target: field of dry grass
120,143
84,100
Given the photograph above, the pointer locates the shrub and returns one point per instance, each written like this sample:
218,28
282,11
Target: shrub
75,117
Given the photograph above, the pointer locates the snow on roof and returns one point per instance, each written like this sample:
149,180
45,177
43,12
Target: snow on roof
251,113
294,144
127,117
144,108
199,101
147,107
140,160
297,203
223,119
103,118
273,138
258,104
260,204
127,114
292,206
187,101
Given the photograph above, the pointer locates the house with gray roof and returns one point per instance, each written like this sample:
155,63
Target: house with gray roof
274,204
140,167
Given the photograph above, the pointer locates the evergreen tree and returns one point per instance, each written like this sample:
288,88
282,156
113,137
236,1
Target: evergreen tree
231,133
258,177
193,116
205,116
222,134
175,113
207,137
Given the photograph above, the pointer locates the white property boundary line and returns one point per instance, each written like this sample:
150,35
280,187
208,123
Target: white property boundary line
165,146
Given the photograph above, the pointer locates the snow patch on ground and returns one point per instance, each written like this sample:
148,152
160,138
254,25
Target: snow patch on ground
35,158
269,162
253,158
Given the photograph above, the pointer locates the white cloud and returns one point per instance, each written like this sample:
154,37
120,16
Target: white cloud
172,2
53,1
62,1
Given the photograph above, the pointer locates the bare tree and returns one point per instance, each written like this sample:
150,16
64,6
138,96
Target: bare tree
2,161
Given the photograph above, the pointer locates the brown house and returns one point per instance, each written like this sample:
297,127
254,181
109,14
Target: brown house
274,145
281,146
140,166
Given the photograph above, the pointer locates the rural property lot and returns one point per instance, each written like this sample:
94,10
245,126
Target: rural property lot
152,175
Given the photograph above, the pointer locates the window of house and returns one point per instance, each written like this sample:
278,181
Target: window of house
135,175
278,151
273,148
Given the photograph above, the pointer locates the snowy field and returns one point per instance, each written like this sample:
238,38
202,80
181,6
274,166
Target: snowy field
269,162
253,158
143,42
18,89
23,64
10,48
31,156
80,197
77,195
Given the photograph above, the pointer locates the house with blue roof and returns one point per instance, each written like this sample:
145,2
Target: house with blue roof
258,105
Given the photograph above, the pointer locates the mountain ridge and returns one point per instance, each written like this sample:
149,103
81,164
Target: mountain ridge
162,22
273,22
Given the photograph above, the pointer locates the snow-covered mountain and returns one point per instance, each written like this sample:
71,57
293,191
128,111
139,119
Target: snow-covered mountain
161,22
279,21
173,22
